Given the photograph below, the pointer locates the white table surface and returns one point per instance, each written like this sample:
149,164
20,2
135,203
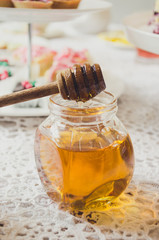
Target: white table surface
27,213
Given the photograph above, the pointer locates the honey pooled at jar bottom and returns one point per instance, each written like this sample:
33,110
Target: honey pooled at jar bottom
90,175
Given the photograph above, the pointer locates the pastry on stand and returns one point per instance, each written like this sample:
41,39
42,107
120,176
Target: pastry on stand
6,3
32,4
42,59
65,4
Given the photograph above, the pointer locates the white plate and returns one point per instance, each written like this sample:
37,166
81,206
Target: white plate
118,45
137,36
115,28
51,15
113,84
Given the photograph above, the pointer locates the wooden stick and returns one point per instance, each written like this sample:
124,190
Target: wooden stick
29,94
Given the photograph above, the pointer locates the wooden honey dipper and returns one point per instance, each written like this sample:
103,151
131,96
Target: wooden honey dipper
80,84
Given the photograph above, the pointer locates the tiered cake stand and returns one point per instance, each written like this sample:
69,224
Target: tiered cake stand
31,16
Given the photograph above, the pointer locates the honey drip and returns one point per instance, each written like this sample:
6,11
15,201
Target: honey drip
88,173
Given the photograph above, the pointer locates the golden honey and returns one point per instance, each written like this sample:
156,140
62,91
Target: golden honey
91,172
83,153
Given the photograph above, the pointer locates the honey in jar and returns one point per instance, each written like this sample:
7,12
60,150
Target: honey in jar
84,154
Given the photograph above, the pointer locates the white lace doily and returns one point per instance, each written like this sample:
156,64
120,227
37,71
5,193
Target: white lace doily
27,213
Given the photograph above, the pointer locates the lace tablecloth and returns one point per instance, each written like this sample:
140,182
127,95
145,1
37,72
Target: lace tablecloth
27,213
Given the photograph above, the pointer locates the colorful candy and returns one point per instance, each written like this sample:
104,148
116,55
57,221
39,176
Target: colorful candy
27,84
5,74
4,62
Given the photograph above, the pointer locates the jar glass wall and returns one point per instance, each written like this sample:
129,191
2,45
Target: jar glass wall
83,152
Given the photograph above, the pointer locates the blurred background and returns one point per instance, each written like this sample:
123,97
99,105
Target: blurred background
122,8
101,35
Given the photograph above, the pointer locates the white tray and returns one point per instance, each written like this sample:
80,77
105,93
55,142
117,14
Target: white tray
52,15
113,83
137,36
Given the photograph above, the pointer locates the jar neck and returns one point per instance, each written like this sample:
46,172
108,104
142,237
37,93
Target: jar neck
101,108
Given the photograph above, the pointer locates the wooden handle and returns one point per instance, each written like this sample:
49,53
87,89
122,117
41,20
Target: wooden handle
29,94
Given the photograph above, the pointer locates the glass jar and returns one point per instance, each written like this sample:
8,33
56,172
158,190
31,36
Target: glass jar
83,153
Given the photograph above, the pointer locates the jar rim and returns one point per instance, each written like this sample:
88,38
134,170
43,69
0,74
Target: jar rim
101,108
